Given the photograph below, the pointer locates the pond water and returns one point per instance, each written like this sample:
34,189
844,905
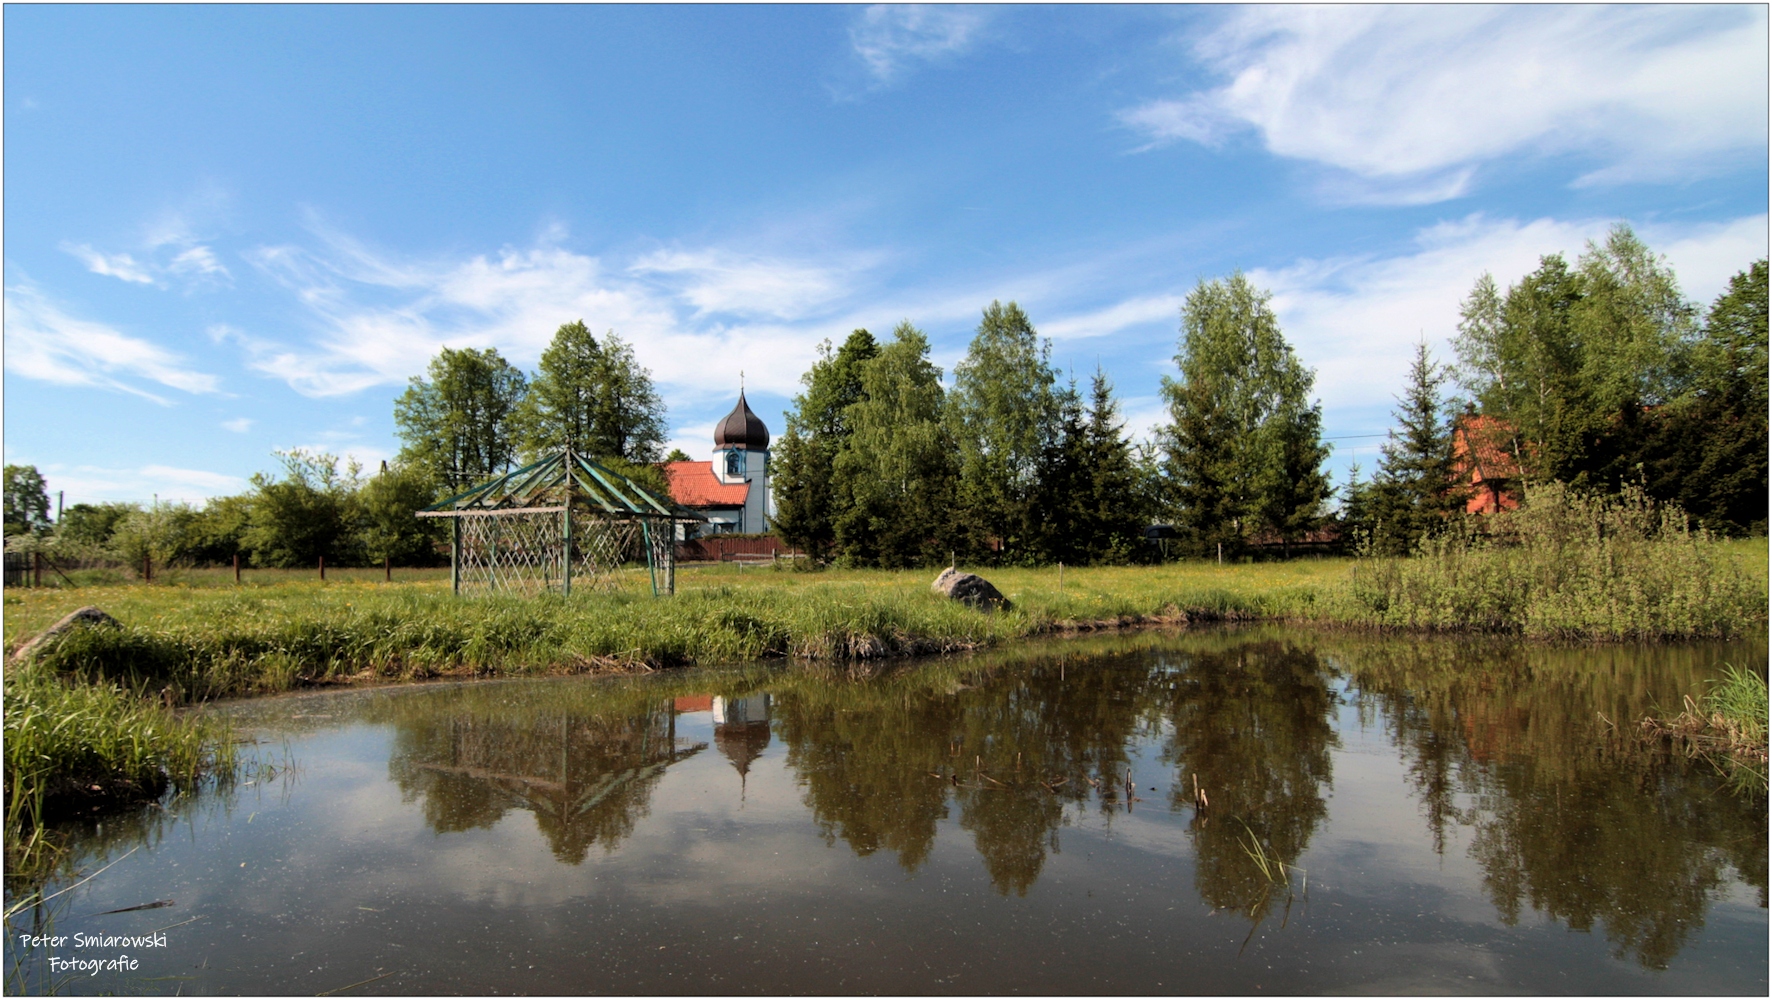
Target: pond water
1378,815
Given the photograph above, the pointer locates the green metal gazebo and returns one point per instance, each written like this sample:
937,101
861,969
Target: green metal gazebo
557,520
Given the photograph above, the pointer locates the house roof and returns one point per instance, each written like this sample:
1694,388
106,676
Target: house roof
1480,444
693,484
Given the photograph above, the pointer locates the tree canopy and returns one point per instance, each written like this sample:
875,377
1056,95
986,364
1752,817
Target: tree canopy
1244,451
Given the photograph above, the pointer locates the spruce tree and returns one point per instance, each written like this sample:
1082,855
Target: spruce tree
1414,492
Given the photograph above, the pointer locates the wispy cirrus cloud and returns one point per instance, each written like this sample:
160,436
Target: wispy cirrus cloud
891,38
168,483
44,342
1420,96
722,281
114,265
380,318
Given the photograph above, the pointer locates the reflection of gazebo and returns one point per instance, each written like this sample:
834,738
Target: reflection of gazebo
586,778
741,730
563,517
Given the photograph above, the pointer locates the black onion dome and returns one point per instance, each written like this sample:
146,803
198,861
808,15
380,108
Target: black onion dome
741,429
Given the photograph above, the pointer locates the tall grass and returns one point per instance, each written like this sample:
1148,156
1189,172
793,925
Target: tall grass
1567,565
73,748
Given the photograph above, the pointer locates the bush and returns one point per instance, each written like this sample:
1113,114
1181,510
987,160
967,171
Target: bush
1566,565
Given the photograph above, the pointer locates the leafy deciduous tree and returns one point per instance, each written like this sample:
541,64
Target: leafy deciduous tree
457,425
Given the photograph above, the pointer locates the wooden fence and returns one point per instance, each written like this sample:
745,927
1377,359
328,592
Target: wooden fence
734,548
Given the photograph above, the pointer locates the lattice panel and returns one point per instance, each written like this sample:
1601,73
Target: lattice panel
602,547
512,553
524,552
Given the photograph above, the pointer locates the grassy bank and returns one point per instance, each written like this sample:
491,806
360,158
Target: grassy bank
75,748
93,707
197,642
184,643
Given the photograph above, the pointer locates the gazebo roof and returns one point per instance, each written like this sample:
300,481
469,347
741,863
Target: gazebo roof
551,482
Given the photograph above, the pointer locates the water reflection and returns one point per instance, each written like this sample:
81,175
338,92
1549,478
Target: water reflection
586,774
1527,748
1251,726
1571,814
1518,766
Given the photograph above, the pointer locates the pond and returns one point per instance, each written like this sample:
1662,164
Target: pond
1254,810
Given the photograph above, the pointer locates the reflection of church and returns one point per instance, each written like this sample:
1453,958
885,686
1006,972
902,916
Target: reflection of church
741,730
741,727
732,491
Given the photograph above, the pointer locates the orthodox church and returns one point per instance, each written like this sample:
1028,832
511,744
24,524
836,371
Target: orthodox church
732,491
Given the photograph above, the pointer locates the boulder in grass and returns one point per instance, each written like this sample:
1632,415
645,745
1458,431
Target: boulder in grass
87,616
969,588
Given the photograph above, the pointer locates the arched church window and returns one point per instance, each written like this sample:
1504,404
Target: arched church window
734,464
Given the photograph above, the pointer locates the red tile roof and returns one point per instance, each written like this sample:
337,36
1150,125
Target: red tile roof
693,484
1481,451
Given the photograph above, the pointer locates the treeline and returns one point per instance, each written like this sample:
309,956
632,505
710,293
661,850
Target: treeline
314,510
882,466
472,415
1601,376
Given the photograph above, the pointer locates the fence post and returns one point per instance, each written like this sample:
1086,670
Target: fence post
236,567
147,568
37,569
322,569
387,568
455,554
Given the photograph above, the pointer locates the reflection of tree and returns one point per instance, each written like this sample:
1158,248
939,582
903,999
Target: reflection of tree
864,753
1041,723
1252,724
1013,745
586,777
1570,813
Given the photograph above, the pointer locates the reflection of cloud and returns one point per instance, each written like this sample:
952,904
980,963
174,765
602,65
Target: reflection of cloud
1427,92
45,343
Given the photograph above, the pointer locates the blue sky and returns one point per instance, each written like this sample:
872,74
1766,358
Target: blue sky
234,229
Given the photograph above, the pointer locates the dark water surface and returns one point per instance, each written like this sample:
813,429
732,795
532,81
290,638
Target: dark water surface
1383,815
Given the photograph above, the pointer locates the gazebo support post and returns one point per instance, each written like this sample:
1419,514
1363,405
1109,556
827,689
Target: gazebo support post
566,547
651,569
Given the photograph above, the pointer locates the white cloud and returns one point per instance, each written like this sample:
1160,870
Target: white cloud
45,343
119,265
1421,93
514,302
239,425
96,484
1119,316
888,38
1357,319
187,259
717,281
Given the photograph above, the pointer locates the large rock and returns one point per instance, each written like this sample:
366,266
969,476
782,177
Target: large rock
87,616
969,588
